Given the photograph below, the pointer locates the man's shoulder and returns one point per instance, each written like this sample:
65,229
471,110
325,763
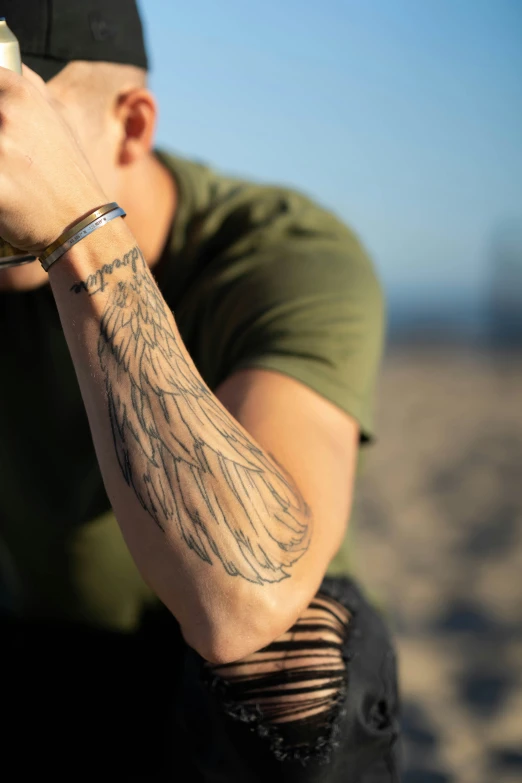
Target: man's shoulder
277,212
277,282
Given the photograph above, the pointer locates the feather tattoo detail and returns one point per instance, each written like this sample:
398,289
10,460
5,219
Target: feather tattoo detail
187,461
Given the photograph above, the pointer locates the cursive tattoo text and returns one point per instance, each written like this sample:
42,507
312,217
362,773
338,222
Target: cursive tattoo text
96,282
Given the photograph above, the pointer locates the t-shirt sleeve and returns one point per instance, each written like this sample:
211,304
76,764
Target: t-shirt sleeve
308,305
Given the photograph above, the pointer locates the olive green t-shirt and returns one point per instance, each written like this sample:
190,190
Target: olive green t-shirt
257,276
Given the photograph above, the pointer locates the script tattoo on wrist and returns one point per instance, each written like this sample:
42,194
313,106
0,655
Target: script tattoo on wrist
189,463
96,282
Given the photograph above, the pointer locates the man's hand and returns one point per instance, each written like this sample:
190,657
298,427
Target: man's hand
46,182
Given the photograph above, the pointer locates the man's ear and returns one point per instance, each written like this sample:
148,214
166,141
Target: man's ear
137,114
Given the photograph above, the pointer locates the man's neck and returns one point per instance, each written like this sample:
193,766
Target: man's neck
150,206
150,202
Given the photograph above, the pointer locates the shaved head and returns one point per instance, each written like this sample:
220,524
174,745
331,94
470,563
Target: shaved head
96,84
104,104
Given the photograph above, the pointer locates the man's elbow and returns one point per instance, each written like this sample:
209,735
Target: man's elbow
220,650
227,638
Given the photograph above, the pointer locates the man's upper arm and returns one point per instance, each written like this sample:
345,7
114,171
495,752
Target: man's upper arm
312,439
298,332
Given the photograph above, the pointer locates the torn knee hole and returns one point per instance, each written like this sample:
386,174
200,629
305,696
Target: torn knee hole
301,675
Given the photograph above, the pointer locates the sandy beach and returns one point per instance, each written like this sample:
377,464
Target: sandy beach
438,540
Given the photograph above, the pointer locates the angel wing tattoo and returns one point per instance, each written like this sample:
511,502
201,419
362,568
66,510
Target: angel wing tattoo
185,458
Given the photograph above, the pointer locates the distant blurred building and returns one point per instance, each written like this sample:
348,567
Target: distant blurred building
504,298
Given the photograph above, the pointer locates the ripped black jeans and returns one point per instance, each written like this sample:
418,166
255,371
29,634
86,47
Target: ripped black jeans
319,705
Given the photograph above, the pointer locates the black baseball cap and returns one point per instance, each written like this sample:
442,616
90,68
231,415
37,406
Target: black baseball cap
52,33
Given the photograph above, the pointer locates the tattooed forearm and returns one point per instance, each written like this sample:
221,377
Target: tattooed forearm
189,463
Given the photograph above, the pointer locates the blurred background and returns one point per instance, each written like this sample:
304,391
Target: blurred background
404,117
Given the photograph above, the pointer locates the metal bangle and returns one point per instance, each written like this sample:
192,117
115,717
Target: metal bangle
68,233
48,261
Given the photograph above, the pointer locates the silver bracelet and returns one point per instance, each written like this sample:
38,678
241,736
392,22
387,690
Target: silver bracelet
60,251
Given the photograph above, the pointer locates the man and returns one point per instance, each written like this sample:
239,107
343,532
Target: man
167,611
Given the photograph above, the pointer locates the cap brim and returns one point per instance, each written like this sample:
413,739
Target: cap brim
46,67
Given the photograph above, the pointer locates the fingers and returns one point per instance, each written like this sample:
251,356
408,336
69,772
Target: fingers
8,79
34,78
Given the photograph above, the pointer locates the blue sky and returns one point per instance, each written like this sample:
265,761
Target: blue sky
404,116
